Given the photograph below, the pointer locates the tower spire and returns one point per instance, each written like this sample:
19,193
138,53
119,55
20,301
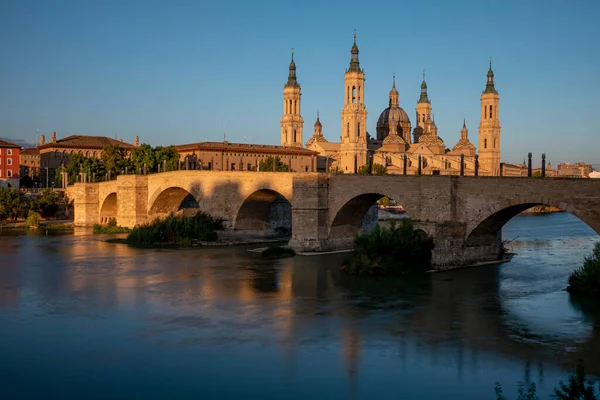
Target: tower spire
292,81
354,64
423,98
489,87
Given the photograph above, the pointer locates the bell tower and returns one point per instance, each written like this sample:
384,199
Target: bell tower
291,122
353,149
489,127
423,111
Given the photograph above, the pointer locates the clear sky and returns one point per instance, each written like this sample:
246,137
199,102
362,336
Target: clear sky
183,71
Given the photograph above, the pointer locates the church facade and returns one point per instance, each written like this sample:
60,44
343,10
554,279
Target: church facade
399,145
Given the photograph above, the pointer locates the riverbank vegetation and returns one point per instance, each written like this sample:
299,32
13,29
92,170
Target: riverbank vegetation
577,387
15,205
111,227
175,230
397,250
585,280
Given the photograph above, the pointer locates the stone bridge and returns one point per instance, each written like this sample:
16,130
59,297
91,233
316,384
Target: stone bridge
325,212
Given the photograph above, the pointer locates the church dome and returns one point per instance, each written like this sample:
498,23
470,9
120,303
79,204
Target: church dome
396,114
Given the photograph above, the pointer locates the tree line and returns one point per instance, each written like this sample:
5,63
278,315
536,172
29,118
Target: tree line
116,160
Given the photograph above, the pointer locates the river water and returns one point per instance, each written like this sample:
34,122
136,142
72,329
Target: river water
81,318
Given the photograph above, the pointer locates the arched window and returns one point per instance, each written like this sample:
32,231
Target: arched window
495,142
485,143
87,154
294,136
295,106
484,112
491,113
358,130
353,95
359,94
348,95
423,117
348,129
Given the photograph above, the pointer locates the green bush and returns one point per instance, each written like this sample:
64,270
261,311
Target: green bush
174,230
399,249
586,279
33,220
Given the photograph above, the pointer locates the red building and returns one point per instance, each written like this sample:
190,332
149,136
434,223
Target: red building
9,164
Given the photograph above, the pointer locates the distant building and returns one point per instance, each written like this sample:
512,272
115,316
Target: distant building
29,161
576,170
9,164
58,152
225,156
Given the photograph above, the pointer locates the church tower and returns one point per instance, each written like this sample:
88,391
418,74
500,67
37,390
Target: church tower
423,111
353,149
291,122
489,127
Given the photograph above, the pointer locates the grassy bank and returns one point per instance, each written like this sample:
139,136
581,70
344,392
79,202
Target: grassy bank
585,280
396,250
174,230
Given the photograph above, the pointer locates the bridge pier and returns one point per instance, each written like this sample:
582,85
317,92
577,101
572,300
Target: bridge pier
132,205
86,203
310,213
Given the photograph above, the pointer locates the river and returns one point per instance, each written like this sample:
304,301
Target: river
81,318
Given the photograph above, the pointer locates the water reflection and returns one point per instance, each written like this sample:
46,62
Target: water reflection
299,322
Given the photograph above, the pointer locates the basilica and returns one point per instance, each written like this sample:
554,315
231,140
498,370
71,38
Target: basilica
399,145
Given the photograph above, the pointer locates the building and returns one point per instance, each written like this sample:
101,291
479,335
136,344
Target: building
225,156
58,152
9,164
393,146
29,161
576,170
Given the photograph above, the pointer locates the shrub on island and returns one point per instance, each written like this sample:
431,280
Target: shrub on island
111,227
175,230
397,250
586,279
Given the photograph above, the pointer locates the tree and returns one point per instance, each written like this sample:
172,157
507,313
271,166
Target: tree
115,159
379,169
168,154
12,204
266,165
47,204
77,164
143,155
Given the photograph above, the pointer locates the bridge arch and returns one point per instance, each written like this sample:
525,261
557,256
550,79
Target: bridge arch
108,209
172,200
486,231
356,215
267,212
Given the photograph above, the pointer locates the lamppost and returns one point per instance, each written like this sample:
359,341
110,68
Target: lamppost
529,165
543,165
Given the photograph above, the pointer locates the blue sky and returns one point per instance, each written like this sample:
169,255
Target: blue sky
185,71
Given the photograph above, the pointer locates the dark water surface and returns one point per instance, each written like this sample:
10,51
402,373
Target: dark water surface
83,318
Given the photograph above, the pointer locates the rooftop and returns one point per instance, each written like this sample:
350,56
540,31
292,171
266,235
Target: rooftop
4,143
85,142
32,151
244,147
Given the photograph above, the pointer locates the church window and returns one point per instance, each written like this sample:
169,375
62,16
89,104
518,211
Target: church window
353,95
358,130
359,94
290,108
491,108
295,107
484,112
423,117
294,135
233,166
348,96
348,129
485,143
